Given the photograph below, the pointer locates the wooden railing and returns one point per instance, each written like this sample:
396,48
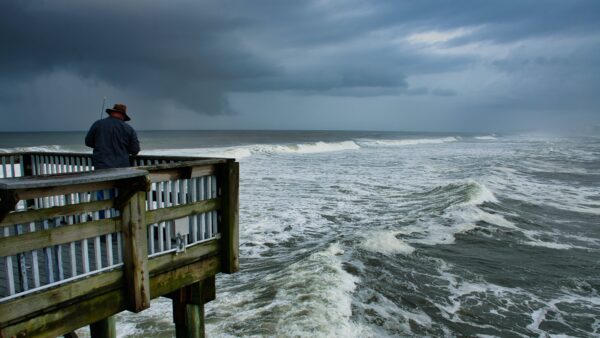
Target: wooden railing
94,243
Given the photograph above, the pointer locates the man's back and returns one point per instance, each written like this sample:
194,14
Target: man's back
113,140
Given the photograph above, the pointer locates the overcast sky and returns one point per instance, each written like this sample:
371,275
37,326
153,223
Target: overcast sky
328,64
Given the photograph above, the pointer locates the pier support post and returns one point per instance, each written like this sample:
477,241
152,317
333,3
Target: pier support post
188,311
104,328
229,179
135,253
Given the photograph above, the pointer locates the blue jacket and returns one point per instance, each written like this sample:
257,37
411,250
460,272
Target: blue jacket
113,141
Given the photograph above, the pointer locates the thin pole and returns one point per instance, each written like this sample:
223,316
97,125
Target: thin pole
102,110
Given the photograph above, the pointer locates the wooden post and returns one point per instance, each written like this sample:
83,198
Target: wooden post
104,328
230,186
188,311
135,253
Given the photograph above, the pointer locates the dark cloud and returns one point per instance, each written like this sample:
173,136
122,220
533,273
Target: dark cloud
192,55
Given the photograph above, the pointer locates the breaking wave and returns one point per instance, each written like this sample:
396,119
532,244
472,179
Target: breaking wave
256,149
47,148
410,142
486,138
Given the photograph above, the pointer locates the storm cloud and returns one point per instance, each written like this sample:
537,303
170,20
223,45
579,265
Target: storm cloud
422,64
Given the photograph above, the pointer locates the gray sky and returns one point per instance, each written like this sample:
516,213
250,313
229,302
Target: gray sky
325,64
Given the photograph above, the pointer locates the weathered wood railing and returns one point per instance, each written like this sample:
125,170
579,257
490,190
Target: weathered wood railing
77,245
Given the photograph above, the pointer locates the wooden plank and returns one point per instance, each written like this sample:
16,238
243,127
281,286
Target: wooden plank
230,217
169,213
135,255
201,295
49,181
166,262
60,211
57,321
56,236
169,281
169,174
68,318
26,194
31,305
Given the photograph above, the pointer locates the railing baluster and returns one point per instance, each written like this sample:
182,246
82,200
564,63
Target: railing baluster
151,227
78,164
194,197
22,264
85,259
34,261
170,199
202,217
72,249
69,165
33,165
21,165
208,216
183,200
161,204
12,166
214,213
108,237
4,167
58,248
10,278
97,249
48,250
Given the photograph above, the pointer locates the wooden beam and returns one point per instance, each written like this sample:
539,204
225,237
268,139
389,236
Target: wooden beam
165,214
20,217
31,193
170,173
31,305
169,261
170,281
198,295
68,318
135,253
79,312
230,178
60,235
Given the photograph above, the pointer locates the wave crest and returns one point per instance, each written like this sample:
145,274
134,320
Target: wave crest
247,151
411,142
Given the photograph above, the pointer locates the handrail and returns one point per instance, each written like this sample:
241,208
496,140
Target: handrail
70,235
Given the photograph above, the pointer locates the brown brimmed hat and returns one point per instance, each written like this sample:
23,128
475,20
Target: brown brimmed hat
119,108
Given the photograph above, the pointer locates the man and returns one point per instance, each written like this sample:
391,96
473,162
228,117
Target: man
113,140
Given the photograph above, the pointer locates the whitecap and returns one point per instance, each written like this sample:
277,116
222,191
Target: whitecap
241,152
387,244
486,138
409,142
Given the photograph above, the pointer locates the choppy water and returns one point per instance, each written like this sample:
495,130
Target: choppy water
395,234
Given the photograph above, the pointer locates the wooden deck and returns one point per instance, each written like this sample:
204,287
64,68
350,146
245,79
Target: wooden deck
78,246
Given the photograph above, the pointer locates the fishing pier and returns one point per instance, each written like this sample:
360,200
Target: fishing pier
78,246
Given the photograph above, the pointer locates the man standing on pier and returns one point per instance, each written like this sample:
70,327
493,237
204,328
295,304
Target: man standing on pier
113,140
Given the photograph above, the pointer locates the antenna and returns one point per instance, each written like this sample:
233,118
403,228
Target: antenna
103,103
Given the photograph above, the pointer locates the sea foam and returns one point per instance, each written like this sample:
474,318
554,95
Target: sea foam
387,244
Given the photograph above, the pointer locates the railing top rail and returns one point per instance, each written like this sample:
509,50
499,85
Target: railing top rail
141,156
187,163
45,181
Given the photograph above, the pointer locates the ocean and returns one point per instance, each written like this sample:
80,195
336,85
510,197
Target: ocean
383,234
